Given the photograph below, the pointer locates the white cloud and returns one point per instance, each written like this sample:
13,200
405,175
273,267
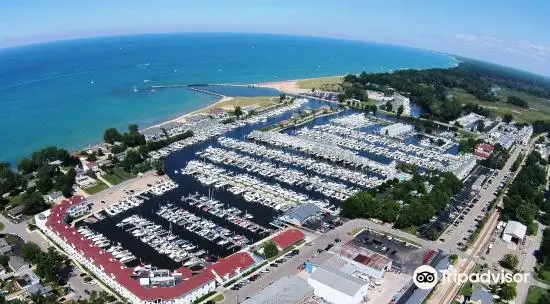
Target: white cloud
466,37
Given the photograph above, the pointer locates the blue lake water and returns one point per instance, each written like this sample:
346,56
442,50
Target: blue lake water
66,93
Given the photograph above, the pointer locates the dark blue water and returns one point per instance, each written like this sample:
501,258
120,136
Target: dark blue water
66,93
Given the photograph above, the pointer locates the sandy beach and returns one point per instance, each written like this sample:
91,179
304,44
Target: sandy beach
183,117
284,86
300,86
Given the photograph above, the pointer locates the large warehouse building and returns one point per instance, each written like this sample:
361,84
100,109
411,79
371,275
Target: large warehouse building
286,290
337,286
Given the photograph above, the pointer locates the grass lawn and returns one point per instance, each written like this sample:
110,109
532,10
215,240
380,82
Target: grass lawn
123,175
534,294
15,200
321,83
218,298
538,107
2,226
97,188
112,179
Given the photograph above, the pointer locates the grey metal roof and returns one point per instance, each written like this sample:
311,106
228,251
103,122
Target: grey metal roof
287,290
304,211
338,280
516,229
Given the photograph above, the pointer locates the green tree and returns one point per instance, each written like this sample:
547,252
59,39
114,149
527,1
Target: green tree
270,249
480,126
33,203
111,135
131,160
389,106
44,184
31,252
26,165
158,165
400,110
4,259
91,157
509,261
238,111
507,118
282,97
507,291
50,265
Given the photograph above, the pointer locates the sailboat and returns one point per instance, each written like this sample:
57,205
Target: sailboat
135,88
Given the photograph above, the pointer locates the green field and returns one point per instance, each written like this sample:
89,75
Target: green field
538,107
534,294
97,188
112,179
117,176
321,83
123,174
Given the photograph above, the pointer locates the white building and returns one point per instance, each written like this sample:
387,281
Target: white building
336,286
463,166
470,120
400,100
187,287
514,232
80,206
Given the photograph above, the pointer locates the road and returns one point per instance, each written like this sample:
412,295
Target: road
444,294
20,229
484,197
290,267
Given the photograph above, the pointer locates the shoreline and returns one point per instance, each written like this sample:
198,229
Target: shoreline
290,86
182,117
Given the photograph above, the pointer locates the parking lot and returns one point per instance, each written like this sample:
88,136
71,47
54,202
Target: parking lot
461,204
406,257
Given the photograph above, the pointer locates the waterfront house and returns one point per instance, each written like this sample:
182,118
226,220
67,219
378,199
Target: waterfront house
89,166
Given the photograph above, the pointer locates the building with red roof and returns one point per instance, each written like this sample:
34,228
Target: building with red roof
228,268
484,150
288,238
183,287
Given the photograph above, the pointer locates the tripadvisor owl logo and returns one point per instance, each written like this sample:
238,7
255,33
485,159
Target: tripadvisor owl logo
425,277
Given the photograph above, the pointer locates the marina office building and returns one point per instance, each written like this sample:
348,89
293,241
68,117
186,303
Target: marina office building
137,286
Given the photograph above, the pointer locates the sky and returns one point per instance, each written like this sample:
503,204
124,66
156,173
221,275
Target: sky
509,32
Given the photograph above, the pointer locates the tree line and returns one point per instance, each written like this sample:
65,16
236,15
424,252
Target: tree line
406,204
430,88
525,196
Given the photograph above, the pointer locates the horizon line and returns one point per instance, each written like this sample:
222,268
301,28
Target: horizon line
351,39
